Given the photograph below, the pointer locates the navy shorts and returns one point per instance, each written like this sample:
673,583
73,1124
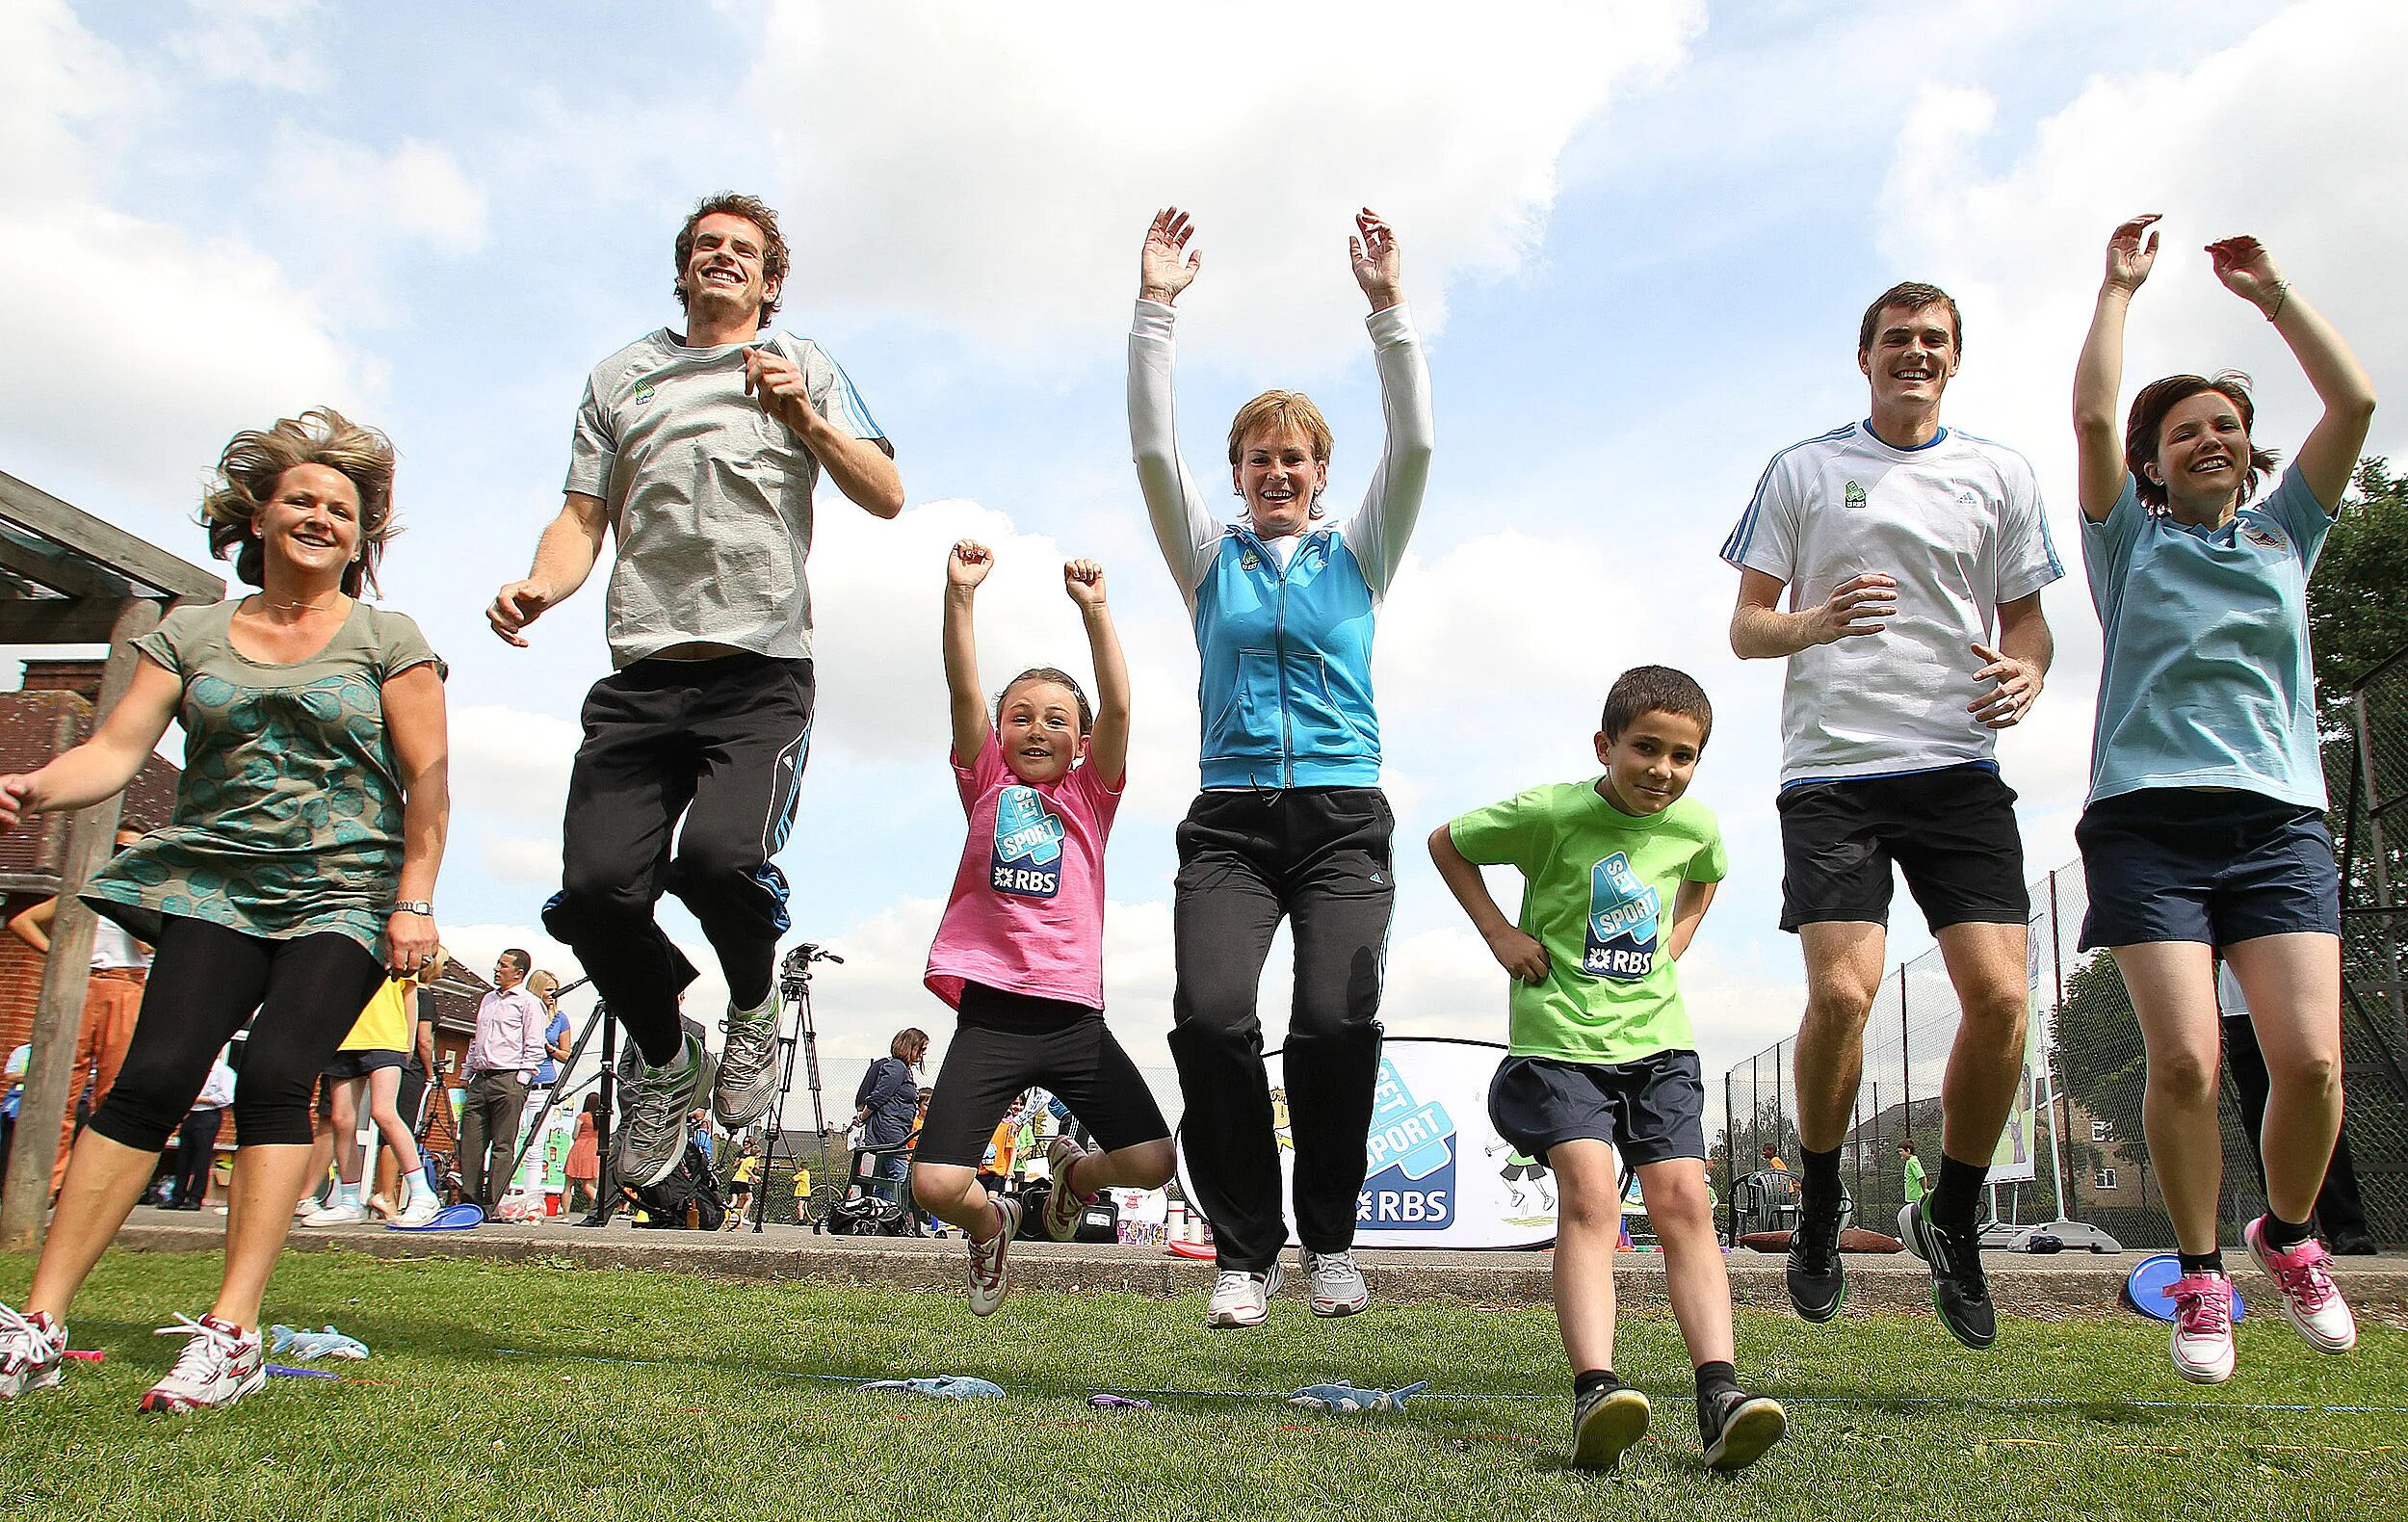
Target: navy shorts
2206,865
1649,1111
1951,832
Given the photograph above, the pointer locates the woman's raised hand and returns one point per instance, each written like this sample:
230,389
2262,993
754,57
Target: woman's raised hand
1377,266
2132,252
2247,271
1166,267
968,563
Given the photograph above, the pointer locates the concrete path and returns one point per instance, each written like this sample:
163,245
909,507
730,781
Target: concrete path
2044,1288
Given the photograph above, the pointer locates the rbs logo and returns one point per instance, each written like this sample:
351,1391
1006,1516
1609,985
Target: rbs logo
1622,915
1026,859
1410,1177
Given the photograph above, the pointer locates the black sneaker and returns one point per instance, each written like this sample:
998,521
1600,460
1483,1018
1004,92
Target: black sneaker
1959,1291
1737,1427
1605,1423
1817,1282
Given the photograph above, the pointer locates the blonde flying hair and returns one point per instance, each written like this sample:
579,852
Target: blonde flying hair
254,463
1288,411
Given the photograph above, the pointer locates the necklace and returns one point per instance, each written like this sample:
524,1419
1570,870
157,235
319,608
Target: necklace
266,601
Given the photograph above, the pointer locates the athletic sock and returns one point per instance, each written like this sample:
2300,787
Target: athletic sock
414,1187
346,1195
1819,1176
1588,1379
1958,1197
2280,1234
2211,1261
1713,1378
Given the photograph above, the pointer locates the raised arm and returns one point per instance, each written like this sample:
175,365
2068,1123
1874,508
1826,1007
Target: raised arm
414,718
2098,374
1516,952
107,762
1759,631
564,557
1393,504
1173,500
2329,454
966,566
1689,912
1107,742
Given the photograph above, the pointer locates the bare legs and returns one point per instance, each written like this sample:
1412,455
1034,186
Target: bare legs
1589,1227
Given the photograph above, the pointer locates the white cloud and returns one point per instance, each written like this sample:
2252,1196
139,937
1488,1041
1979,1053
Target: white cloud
523,859
417,191
254,42
513,762
1062,128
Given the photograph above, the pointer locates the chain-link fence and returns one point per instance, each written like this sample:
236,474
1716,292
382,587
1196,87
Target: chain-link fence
2090,1161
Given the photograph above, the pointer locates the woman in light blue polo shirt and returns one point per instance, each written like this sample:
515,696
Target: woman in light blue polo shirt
2205,828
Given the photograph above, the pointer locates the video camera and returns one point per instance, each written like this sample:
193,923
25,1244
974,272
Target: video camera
793,974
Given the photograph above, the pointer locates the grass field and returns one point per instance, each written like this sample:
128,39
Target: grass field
1887,1418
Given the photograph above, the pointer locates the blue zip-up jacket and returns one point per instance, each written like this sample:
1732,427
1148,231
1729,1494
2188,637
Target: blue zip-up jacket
1284,688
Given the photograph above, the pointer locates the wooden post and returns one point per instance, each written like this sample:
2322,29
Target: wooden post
24,1205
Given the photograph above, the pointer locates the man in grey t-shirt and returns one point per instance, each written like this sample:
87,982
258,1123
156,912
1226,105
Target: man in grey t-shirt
699,451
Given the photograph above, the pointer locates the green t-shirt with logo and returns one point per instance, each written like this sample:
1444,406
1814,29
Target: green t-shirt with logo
1599,890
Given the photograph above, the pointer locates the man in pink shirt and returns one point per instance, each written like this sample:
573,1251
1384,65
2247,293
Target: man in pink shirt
503,1057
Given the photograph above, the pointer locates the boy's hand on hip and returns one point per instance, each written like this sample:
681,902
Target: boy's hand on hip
1519,954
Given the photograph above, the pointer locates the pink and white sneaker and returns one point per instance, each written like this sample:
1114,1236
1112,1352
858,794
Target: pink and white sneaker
32,1353
220,1365
2203,1328
2309,1299
1064,1207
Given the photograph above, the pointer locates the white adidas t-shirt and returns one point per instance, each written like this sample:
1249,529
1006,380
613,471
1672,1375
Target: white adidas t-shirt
1958,522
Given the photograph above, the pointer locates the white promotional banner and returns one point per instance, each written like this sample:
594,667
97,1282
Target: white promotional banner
2017,1156
1436,1174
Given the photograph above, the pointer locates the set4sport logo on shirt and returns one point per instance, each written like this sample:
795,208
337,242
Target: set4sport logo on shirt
1026,859
1852,495
1622,921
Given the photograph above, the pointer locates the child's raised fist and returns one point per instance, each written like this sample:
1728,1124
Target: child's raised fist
1084,581
968,563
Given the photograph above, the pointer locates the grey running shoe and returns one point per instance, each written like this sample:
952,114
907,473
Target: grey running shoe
1605,1423
653,1137
991,1261
1241,1299
32,1353
1338,1287
1738,1427
1063,1209
748,1078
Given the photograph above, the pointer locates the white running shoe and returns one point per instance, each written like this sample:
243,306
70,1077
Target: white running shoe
338,1213
1338,1287
220,1365
991,1261
2203,1328
1062,1208
419,1211
32,1353
2309,1299
748,1075
1241,1299
652,1131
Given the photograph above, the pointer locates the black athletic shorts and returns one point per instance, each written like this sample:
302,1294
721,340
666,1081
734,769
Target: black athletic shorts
1008,1043
1951,832
359,1064
2204,865
1649,1111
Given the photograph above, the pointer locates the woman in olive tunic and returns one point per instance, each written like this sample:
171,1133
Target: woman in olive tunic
298,867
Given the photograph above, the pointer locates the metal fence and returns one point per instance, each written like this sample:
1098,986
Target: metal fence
2091,1161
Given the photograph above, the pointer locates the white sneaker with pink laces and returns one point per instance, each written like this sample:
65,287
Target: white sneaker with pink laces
2309,1299
220,1365
2203,1328
32,1353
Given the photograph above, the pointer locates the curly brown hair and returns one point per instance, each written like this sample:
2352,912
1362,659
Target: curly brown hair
754,210
254,463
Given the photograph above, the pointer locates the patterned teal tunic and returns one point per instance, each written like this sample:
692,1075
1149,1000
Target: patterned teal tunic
288,820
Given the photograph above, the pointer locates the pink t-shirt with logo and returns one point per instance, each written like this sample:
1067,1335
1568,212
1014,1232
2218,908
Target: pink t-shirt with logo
1027,912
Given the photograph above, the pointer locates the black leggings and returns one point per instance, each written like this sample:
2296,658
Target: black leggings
204,983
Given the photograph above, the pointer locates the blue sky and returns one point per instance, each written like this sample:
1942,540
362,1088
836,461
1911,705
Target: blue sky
1637,238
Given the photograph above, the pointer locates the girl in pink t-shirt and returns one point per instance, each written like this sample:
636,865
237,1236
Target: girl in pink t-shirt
1019,953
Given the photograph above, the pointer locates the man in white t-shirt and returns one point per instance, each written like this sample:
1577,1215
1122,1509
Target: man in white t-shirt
697,452
1914,556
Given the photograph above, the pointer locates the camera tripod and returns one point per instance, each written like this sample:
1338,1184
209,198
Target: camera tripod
793,983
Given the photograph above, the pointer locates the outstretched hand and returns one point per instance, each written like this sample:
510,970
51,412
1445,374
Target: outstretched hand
1166,267
2130,254
1379,268
2247,271
1084,581
516,605
968,563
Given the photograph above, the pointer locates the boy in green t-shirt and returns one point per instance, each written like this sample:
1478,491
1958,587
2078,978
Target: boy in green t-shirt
1618,874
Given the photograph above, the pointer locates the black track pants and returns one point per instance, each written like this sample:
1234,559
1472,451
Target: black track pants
1319,857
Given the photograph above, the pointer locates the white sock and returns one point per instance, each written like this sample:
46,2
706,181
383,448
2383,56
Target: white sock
346,1195
414,1187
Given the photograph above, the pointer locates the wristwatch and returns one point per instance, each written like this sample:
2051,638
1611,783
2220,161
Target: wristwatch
414,906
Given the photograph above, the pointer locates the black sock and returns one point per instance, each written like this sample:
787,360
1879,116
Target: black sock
2276,1232
2211,1261
1820,1174
1713,1378
1957,1198
1588,1379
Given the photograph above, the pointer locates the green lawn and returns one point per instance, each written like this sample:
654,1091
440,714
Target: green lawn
454,1427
